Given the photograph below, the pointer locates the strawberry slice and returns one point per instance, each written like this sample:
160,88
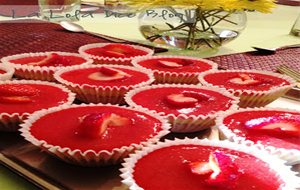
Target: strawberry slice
110,53
180,100
186,62
200,168
223,172
96,124
52,59
15,99
108,71
17,90
169,64
199,96
276,126
244,79
107,74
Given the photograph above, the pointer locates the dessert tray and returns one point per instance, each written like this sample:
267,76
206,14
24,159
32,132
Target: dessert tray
39,167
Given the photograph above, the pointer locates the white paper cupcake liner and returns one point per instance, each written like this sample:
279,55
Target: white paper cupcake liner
252,98
89,157
10,121
184,123
284,173
44,73
101,94
292,156
112,60
162,77
9,71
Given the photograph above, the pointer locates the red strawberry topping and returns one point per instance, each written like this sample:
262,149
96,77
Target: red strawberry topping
108,74
280,125
169,64
114,53
17,90
186,99
108,71
180,100
174,64
221,170
96,124
15,99
53,59
244,79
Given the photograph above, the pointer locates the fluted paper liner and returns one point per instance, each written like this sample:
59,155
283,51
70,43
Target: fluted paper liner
101,94
292,156
284,173
162,77
9,71
10,122
183,123
44,73
89,157
113,60
254,98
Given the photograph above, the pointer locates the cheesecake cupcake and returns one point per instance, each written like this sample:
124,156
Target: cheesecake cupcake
42,65
6,72
20,98
189,108
103,83
206,165
114,53
255,88
276,130
175,69
94,134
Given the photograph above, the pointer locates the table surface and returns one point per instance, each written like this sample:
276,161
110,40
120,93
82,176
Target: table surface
269,30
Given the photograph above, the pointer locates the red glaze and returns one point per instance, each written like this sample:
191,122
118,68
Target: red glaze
27,98
185,65
62,128
56,61
247,124
260,82
168,168
216,101
81,76
116,50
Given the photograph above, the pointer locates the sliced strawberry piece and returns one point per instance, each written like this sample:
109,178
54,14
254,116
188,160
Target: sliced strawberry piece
17,90
186,62
200,168
180,100
169,64
242,81
106,75
199,96
275,126
95,124
223,172
117,121
52,59
113,54
108,71
226,172
15,99
244,76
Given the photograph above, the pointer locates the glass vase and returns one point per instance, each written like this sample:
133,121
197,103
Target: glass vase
192,29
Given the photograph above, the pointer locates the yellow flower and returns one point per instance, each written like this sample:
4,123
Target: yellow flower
264,6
